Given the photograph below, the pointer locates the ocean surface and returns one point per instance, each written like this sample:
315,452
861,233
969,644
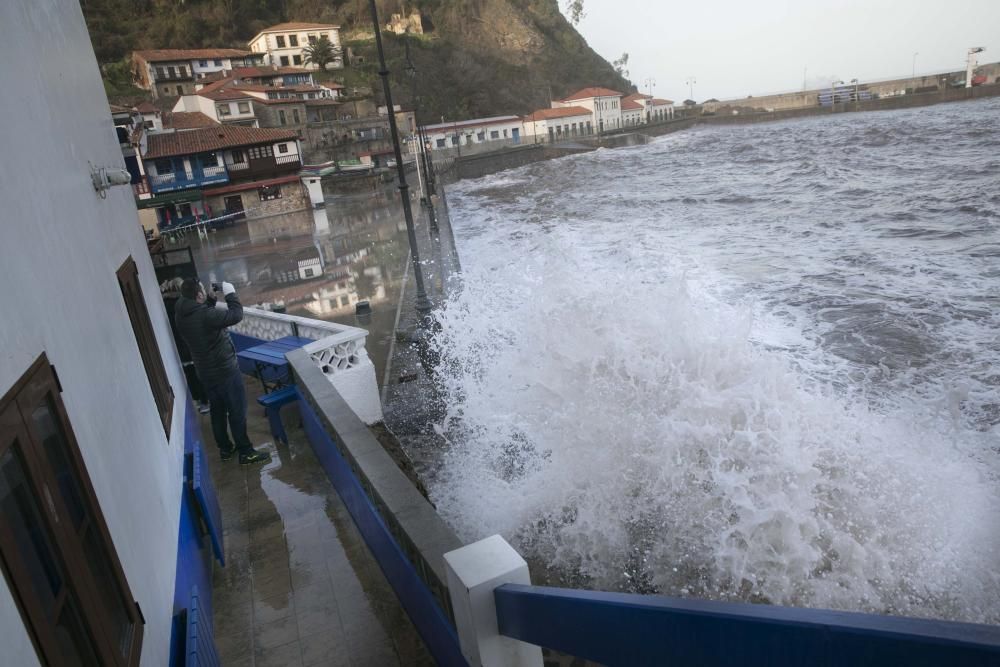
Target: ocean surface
751,363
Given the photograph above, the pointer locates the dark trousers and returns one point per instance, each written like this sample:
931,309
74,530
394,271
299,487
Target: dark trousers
194,384
228,401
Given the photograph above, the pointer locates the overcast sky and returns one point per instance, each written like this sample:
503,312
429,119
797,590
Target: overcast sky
735,48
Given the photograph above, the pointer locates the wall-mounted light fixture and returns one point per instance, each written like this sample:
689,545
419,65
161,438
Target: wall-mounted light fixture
106,177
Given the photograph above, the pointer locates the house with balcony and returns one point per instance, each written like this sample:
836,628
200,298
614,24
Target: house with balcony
183,166
282,45
175,72
220,102
272,75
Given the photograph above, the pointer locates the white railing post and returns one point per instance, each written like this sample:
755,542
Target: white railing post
474,571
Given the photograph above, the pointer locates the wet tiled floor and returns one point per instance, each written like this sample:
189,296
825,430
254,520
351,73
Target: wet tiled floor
300,587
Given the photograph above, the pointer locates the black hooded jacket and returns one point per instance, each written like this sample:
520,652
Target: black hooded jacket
203,328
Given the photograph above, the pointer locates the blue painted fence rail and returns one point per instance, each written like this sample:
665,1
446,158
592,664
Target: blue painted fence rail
624,629
430,621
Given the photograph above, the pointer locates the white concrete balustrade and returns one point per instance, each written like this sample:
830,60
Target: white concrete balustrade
339,352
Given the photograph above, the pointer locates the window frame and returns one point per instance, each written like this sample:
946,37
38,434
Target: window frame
147,343
38,385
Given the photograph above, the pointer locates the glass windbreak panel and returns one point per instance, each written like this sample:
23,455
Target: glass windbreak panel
114,602
75,645
21,513
56,449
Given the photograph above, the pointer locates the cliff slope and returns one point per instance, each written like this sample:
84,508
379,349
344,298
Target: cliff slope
476,57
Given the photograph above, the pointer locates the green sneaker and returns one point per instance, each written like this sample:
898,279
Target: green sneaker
254,457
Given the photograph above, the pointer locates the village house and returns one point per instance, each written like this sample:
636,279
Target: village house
604,105
557,124
476,131
174,72
224,170
283,44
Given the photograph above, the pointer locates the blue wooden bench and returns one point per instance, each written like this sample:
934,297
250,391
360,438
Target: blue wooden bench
273,402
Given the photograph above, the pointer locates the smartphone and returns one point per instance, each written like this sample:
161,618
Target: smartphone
216,287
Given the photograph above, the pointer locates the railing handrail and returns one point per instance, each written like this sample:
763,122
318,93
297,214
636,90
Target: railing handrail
345,331
633,629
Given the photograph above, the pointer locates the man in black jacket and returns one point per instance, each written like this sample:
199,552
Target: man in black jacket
203,328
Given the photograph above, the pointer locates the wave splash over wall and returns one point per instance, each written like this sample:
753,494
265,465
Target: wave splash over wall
625,424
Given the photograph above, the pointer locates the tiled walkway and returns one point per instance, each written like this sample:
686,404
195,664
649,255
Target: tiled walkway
300,587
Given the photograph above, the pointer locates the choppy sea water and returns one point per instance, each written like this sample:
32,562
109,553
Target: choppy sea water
747,363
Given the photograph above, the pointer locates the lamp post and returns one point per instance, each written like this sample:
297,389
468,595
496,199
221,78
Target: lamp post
833,94
690,82
650,82
913,74
423,304
856,98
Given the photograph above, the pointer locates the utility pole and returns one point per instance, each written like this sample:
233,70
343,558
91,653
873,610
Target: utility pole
913,74
423,304
690,82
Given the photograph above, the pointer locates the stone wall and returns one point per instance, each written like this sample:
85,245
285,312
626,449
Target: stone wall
294,197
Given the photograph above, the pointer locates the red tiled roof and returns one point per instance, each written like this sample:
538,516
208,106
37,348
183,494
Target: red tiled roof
224,94
563,112
165,55
628,104
239,187
638,96
659,102
591,92
146,107
298,26
212,139
117,108
186,120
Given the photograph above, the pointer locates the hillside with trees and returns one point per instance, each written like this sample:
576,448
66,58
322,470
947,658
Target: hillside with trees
474,57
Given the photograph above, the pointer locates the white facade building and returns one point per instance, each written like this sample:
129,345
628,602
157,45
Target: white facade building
559,124
282,45
475,131
92,395
174,72
223,105
603,103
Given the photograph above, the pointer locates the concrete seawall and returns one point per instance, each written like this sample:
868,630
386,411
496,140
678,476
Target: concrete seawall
484,164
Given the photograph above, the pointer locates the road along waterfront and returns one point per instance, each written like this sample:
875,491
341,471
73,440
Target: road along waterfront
747,362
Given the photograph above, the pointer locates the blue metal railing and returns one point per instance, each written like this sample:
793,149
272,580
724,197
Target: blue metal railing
625,629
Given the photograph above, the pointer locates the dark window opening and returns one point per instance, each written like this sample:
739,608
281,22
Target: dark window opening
280,39
149,350
55,549
269,192
293,40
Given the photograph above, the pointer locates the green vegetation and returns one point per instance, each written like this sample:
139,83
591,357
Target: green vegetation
476,58
321,52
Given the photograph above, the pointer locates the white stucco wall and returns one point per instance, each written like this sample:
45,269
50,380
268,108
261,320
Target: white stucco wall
60,245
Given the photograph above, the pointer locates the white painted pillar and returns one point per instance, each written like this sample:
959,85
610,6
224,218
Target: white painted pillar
315,189
473,572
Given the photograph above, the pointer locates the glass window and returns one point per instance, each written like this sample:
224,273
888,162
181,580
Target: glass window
345,300
296,60
68,582
244,107
282,148
160,73
440,143
281,117
293,40
295,116
203,63
171,71
164,166
218,63
312,39
280,39
494,134
223,109
284,61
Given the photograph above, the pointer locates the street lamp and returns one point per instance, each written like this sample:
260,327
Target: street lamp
690,82
833,94
650,82
913,74
423,304
856,98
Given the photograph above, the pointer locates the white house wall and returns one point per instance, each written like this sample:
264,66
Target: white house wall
60,246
